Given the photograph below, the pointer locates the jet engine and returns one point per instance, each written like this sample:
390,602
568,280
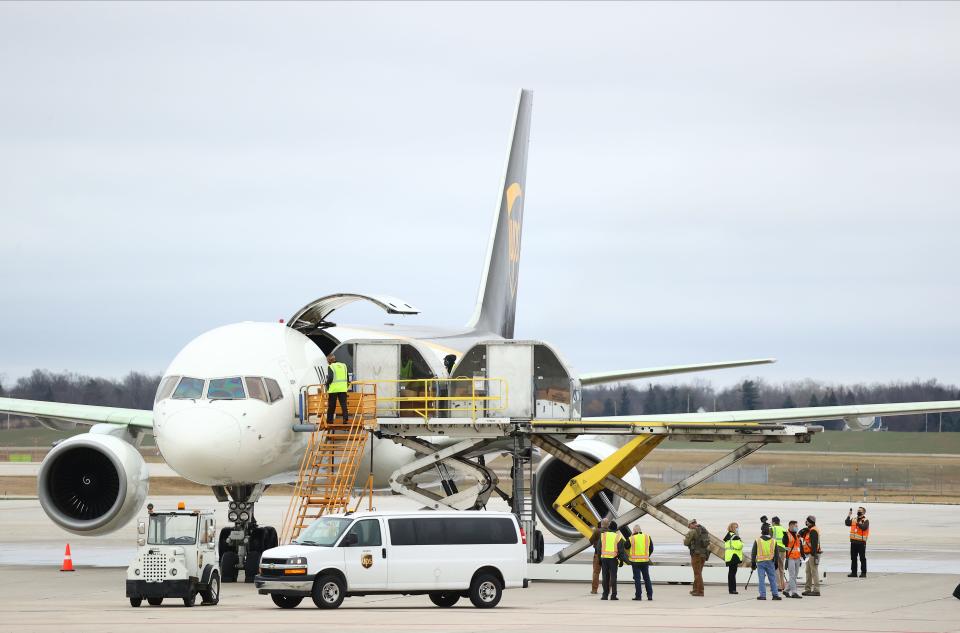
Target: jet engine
860,423
553,476
92,484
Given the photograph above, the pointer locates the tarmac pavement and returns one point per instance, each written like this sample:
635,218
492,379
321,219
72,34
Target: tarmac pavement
91,600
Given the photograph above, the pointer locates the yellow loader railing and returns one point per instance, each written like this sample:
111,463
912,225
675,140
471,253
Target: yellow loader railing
439,397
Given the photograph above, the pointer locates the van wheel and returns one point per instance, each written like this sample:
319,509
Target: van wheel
286,602
211,595
154,602
328,592
228,566
485,591
444,598
135,601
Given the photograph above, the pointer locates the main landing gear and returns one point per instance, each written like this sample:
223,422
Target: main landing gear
241,545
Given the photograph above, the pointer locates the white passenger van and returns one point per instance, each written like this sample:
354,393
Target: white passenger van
446,555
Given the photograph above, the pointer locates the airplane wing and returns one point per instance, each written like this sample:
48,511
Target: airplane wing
77,413
799,414
600,378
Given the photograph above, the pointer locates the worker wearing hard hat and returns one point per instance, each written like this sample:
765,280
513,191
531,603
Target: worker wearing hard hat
639,550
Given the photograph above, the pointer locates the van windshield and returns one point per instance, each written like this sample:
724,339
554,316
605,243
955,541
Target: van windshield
324,532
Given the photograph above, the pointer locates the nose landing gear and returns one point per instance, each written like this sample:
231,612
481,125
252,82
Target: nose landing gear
241,545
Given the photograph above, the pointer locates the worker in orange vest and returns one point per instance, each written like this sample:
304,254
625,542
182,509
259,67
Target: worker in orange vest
793,545
810,553
859,531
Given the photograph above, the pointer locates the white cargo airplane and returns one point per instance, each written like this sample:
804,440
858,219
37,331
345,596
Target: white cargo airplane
226,406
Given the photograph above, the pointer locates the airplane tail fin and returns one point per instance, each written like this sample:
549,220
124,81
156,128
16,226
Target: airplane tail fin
497,300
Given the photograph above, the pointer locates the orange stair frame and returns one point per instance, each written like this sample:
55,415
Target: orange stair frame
331,461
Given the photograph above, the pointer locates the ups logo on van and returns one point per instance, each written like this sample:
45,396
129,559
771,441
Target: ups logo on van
366,560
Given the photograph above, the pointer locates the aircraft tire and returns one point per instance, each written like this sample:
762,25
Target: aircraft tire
228,566
252,565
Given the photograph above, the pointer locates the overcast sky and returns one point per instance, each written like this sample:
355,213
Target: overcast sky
706,181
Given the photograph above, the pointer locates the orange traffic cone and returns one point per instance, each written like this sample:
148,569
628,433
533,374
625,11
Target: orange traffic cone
67,560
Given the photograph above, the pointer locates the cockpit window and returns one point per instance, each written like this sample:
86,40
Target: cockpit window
273,389
166,387
189,389
226,389
255,388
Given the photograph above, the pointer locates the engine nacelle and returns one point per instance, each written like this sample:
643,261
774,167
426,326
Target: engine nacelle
553,476
92,484
860,423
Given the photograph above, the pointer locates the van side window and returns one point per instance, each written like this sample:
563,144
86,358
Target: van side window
430,531
402,532
367,532
480,531
453,531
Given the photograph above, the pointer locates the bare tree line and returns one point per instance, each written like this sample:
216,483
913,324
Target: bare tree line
136,391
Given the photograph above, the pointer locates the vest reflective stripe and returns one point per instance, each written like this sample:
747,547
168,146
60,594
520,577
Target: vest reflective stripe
731,547
778,532
856,534
608,544
765,550
793,545
806,540
639,548
339,383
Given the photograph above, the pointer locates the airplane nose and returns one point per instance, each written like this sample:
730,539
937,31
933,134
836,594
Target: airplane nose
201,444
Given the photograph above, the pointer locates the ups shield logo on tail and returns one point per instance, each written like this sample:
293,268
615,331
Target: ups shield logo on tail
366,560
514,219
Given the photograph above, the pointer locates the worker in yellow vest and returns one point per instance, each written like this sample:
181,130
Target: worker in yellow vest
764,551
777,532
338,382
859,531
639,549
611,545
732,555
